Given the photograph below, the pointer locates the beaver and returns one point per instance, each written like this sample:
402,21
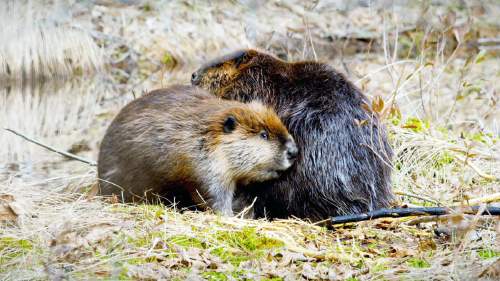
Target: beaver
185,144
344,163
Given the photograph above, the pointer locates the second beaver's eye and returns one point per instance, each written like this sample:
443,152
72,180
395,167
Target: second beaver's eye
264,135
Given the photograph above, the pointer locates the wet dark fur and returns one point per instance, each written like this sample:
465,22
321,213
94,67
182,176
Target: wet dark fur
342,167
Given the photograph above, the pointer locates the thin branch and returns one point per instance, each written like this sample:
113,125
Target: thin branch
407,212
48,147
476,169
495,197
246,209
402,193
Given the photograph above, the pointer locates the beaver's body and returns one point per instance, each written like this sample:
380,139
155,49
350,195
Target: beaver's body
344,162
186,145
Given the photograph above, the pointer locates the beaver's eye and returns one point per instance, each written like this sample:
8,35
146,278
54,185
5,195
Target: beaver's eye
229,124
264,135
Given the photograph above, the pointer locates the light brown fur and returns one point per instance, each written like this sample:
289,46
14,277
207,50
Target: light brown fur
185,144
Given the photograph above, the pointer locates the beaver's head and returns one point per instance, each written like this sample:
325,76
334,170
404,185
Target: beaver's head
244,75
253,143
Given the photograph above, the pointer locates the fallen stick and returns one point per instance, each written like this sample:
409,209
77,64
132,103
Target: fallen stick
48,147
408,212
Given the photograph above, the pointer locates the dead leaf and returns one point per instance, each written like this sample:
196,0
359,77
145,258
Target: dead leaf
399,252
6,212
426,245
114,199
395,111
360,123
80,146
73,244
6,198
378,104
409,126
148,271
11,208
367,108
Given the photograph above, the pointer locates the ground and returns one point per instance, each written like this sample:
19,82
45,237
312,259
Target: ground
431,69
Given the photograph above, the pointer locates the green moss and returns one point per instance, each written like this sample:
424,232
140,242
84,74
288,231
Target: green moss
137,261
214,276
123,274
417,125
152,212
147,7
78,71
12,247
443,159
488,254
248,240
418,263
380,266
243,245
231,257
168,60
145,240
486,138
186,241
395,120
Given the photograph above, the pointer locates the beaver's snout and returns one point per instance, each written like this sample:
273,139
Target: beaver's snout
289,156
291,150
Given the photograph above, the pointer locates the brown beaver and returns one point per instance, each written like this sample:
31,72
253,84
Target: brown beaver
183,143
343,166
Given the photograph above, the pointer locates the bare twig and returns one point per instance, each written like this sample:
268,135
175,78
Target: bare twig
476,169
246,209
417,197
495,197
48,147
406,212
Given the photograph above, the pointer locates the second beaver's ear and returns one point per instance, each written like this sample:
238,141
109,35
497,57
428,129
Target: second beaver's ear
229,124
243,57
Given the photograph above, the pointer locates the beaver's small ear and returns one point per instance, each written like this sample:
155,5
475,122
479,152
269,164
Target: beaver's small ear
229,124
242,58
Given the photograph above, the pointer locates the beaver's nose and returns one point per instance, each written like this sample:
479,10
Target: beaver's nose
291,150
196,78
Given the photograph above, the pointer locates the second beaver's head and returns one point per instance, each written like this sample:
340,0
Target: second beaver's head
240,73
249,74
251,142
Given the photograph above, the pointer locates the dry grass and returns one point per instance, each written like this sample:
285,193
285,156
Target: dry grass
443,100
82,237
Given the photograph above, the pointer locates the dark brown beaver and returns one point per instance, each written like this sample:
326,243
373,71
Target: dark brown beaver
185,144
343,167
